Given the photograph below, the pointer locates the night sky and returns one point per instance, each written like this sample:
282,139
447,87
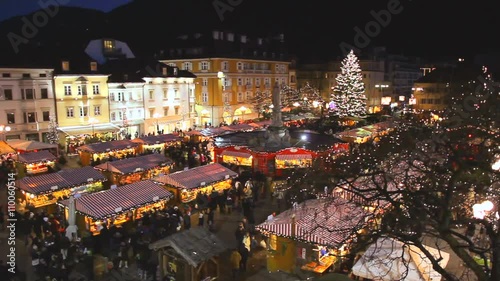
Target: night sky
10,8
427,28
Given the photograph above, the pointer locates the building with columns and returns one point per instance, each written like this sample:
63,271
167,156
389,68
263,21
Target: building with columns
27,99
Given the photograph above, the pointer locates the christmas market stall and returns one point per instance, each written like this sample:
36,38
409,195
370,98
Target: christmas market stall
103,151
31,163
46,190
235,155
130,170
313,236
23,146
291,158
157,143
187,184
117,205
194,136
189,255
6,150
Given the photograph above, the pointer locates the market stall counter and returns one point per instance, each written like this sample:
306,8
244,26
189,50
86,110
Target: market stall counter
236,155
187,184
130,170
157,143
103,151
46,190
117,205
35,162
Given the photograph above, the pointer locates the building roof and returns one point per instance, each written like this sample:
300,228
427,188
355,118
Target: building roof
194,245
107,146
134,70
26,145
36,157
135,164
157,139
458,74
63,179
328,221
197,177
107,203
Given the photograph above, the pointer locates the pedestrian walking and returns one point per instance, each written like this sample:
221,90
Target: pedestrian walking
123,254
200,218
187,220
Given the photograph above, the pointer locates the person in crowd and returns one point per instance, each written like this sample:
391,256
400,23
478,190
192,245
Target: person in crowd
211,219
187,220
123,255
235,263
201,218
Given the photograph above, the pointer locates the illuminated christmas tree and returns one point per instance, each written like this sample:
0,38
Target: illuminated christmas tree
52,134
349,93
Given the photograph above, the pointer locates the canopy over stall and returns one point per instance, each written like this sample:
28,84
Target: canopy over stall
190,254
137,168
5,148
328,221
122,203
26,145
103,150
237,155
190,181
388,259
47,189
293,158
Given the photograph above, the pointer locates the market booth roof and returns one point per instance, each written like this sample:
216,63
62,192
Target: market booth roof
107,146
194,245
237,151
328,221
104,204
158,139
25,145
135,164
63,179
197,177
5,148
36,157
397,261
294,154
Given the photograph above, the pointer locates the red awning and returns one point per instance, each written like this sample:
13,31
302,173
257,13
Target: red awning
233,153
287,157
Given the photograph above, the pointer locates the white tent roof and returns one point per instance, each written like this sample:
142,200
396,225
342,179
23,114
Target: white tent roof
390,260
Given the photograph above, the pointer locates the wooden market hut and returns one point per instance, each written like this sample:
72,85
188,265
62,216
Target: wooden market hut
186,184
130,170
117,205
31,163
103,151
235,155
190,255
294,235
292,158
193,136
46,190
157,142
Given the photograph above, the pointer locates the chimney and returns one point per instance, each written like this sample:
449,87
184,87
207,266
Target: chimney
65,65
93,66
164,71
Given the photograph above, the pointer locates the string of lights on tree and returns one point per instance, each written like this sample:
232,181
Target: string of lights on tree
348,95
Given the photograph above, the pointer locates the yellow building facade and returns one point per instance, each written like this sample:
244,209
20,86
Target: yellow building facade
224,87
82,104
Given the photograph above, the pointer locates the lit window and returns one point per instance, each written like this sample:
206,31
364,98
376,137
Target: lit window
95,89
97,110
70,112
67,90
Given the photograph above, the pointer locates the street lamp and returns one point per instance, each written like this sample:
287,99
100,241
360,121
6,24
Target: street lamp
156,116
243,110
92,122
4,129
